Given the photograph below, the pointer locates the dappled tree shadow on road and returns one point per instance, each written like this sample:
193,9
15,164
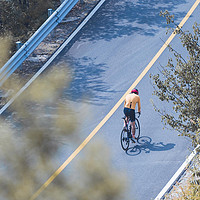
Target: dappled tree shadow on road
87,83
123,18
115,19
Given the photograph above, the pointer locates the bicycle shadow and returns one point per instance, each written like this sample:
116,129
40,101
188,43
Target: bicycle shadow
145,144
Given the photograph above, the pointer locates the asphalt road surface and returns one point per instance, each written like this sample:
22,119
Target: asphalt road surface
105,58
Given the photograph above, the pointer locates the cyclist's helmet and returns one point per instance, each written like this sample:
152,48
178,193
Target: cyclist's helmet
135,91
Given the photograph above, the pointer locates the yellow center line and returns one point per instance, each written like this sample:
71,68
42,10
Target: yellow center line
91,135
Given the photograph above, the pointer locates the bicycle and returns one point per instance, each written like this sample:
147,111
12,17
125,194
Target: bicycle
126,135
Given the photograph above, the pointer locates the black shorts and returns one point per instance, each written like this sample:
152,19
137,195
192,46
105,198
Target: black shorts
130,113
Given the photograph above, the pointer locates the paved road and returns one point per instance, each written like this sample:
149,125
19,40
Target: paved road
106,57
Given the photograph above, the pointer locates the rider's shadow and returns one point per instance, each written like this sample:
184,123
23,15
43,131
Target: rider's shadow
145,144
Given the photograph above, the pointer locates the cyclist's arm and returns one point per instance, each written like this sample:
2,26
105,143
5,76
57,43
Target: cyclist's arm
139,105
124,102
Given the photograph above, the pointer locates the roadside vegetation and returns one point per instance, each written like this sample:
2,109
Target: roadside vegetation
19,19
189,187
178,83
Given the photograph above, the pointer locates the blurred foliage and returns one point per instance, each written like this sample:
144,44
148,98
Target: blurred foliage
179,83
95,170
32,137
33,131
93,177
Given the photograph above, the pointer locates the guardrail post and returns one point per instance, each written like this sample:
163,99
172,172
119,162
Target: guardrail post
18,45
50,12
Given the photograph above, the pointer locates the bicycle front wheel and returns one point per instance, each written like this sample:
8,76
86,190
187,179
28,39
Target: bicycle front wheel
137,129
124,140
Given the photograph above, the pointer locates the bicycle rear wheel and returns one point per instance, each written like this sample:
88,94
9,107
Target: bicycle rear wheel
124,140
137,129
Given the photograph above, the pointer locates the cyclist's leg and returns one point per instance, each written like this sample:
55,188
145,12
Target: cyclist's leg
133,129
126,115
126,121
133,122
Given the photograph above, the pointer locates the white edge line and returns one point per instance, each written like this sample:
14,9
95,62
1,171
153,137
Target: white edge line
177,175
52,57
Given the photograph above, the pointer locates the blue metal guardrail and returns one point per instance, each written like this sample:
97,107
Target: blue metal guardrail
22,54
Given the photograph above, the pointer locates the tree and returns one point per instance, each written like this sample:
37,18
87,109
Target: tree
179,83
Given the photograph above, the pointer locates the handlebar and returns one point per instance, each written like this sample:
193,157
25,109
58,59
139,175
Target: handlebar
138,113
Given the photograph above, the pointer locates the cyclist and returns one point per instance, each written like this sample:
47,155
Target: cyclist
129,109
